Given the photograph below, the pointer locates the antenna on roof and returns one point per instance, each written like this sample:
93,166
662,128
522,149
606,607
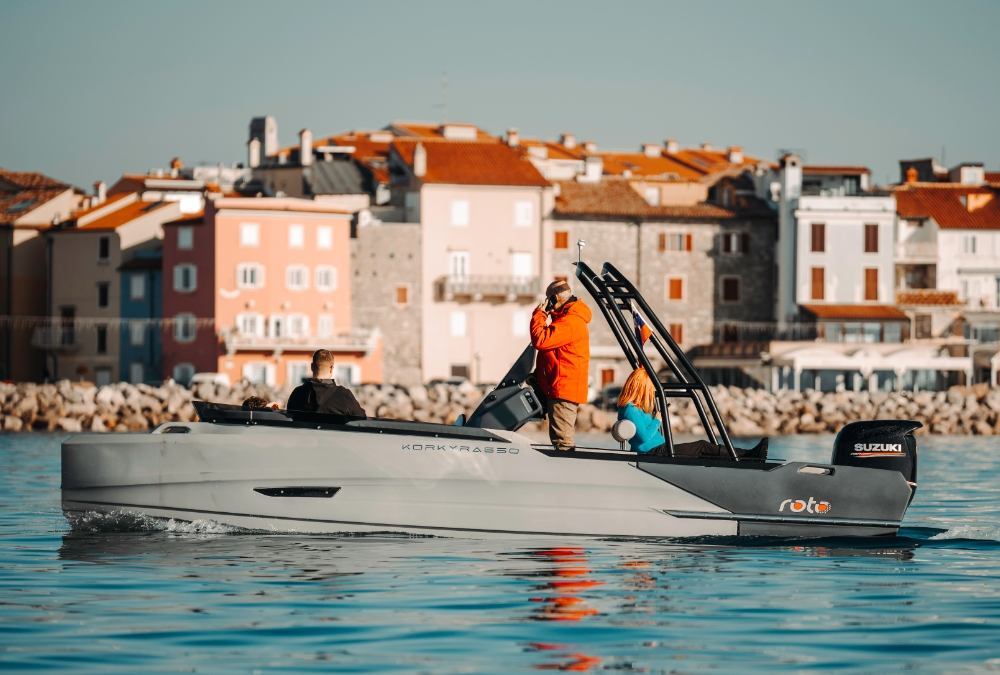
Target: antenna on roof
443,105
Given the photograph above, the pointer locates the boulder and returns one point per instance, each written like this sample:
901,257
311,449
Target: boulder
11,423
69,424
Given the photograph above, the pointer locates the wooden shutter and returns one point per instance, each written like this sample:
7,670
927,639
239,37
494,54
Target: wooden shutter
687,245
818,284
402,295
818,238
662,242
871,238
871,283
727,244
675,288
562,240
677,332
745,242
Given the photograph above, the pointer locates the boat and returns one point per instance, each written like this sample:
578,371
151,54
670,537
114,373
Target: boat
287,471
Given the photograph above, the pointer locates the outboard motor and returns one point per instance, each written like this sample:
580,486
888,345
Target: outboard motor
879,444
513,402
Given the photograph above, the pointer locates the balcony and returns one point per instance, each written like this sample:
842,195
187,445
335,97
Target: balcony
356,341
481,287
916,252
55,338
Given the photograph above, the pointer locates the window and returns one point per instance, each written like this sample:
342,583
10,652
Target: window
458,264
324,237
922,326
184,327
185,238
297,277
520,320
676,331
249,234
250,324
871,237
523,213
521,265
296,236
818,290
102,376
561,240
259,372
326,278
298,371
735,242
102,339
276,326
103,249
103,291
458,324
460,212
674,241
250,275
136,286
136,372
652,195
730,289
607,376
324,325
298,325
67,325
969,244
347,373
460,370
675,288
818,238
136,332
185,278
871,283
402,295
183,372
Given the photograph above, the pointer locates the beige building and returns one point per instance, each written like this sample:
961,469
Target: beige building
85,299
30,203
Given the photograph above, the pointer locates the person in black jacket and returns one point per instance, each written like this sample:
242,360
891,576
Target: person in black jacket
322,394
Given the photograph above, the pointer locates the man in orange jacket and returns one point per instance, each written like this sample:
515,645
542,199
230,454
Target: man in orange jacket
559,332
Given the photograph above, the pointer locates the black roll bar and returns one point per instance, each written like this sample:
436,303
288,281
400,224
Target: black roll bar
615,295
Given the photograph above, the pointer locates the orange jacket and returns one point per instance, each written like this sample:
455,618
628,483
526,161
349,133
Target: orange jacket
563,348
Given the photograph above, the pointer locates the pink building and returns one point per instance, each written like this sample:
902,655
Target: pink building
254,285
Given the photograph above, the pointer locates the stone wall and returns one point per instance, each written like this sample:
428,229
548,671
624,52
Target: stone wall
73,406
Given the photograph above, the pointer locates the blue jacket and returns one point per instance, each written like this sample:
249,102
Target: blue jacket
648,433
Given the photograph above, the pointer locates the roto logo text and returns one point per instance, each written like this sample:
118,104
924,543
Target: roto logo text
803,506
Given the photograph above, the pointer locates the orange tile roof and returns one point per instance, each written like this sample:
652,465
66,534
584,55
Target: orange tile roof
111,199
617,199
638,164
834,170
430,130
553,149
24,191
31,180
188,219
471,163
927,296
855,312
710,161
119,217
944,203
993,177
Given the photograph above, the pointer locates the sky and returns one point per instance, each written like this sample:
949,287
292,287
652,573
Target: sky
90,90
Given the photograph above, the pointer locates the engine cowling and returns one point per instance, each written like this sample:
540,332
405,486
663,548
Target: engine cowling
879,444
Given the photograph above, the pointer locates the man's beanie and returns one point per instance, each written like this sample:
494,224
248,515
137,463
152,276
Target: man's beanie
556,287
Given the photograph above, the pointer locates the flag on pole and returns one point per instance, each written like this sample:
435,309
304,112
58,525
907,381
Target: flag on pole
642,331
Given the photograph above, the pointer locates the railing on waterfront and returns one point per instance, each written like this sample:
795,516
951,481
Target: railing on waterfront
55,338
909,250
354,341
763,331
482,286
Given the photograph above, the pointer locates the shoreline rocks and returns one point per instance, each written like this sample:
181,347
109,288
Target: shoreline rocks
72,407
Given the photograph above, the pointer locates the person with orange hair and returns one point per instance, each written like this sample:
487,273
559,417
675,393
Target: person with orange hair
637,404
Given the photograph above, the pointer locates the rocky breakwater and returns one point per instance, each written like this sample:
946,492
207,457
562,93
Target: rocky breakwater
80,406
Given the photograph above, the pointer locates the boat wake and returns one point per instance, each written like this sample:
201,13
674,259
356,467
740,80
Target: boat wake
99,522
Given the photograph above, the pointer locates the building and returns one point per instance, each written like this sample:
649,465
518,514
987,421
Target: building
140,333
705,269
255,285
30,203
86,253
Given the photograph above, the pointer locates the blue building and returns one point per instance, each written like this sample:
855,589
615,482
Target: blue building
142,300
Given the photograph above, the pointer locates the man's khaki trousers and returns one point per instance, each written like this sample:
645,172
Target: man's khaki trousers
562,423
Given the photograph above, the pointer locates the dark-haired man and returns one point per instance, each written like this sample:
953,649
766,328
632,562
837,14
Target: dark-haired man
322,394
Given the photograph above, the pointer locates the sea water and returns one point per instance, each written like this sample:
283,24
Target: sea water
124,593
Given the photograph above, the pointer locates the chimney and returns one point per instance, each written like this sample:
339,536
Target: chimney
305,147
175,166
593,167
735,154
589,147
706,146
651,149
253,153
419,160
568,140
672,146
912,174
513,138
100,192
